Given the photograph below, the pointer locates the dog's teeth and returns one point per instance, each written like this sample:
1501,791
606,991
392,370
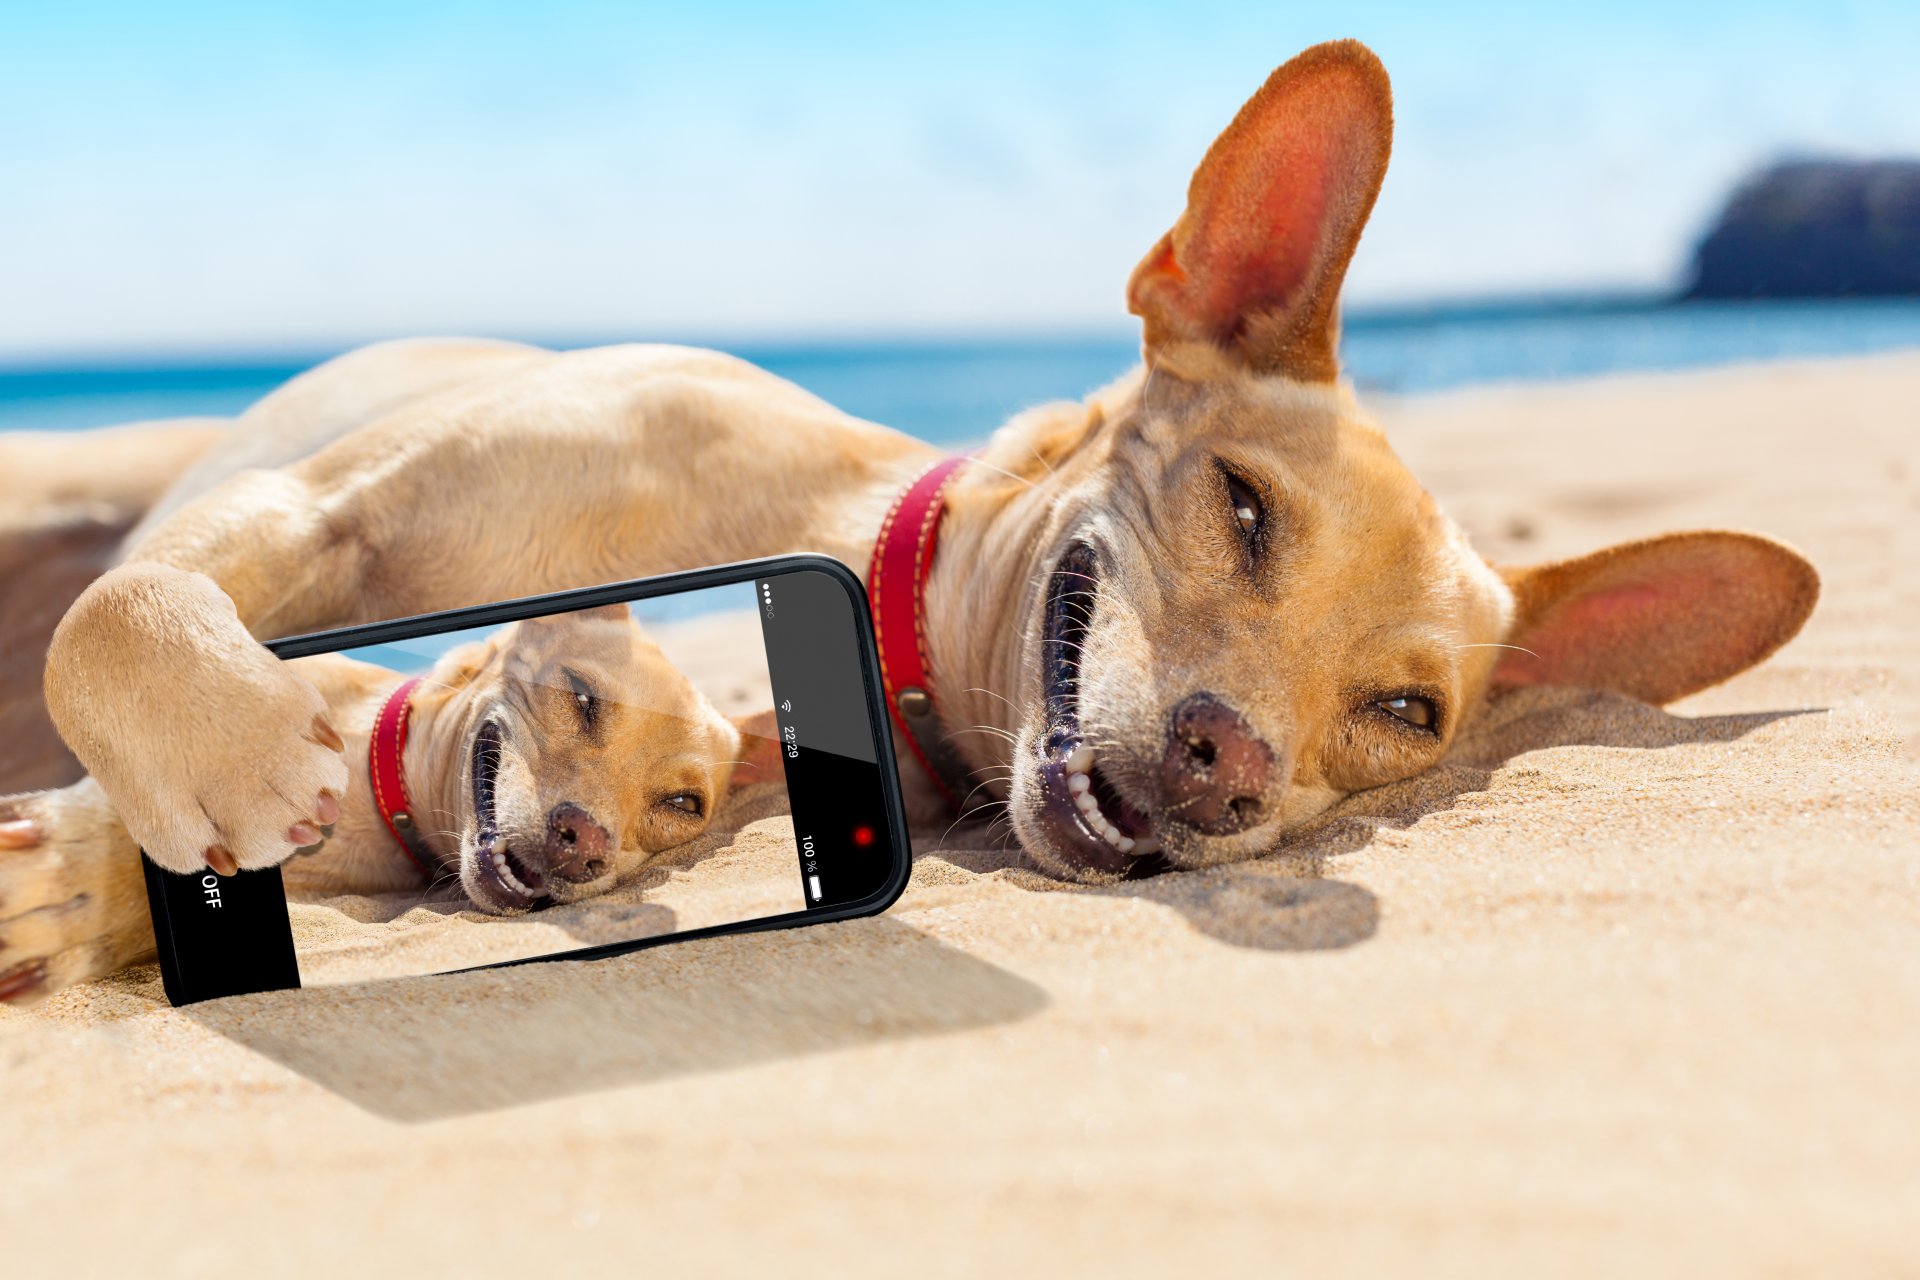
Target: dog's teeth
1086,802
1125,844
1081,760
507,878
1078,783
1147,844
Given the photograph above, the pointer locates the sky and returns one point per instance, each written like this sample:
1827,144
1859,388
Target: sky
253,178
420,653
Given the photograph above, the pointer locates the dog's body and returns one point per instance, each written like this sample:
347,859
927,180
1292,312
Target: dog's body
1199,608
546,763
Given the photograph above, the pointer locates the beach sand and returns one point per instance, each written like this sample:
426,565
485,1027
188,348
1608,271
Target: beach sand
744,868
1616,988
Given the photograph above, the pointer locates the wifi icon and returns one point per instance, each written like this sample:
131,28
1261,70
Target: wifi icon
787,706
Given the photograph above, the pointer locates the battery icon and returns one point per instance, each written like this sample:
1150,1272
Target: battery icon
813,887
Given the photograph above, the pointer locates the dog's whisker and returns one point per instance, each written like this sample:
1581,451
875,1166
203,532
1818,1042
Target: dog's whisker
984,782
429,682
1002,812
965,813
995,730
1515,647
981,462
991,694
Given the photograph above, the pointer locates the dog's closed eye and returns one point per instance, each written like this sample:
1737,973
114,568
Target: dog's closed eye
687,802
1246,507
1415,711
1249,513
584,701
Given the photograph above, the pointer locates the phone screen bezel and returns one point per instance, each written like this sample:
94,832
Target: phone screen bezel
183,988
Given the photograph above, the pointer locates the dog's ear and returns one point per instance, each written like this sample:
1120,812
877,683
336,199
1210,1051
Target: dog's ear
461,666
759,758
535,639
1254,265
600,613
1657,619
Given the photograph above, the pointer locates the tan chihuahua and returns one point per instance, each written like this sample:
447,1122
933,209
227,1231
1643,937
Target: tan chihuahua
546,763
1203,605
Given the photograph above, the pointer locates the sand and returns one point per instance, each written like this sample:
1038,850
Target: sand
743,868
1615,989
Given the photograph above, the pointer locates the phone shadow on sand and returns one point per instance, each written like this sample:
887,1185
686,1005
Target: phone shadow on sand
1288,901
424,1049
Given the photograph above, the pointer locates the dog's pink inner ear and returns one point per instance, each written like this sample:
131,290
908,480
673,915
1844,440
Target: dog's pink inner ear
759,758
1255,263
1657,619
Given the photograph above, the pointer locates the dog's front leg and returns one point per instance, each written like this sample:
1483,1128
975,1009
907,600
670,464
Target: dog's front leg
213,752
73,901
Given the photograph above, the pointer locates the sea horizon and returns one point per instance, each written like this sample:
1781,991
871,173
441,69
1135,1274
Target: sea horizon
958,387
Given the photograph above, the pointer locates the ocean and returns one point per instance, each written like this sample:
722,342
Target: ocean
952,392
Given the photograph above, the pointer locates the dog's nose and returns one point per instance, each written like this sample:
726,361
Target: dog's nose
1216,770
577,847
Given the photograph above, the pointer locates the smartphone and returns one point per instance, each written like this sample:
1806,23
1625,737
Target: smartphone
571,776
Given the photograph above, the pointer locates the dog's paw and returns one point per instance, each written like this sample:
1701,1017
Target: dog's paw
215,753
72,897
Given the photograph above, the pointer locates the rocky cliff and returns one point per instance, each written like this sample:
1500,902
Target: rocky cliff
1816,229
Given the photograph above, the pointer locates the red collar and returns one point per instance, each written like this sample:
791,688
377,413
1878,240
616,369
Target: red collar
896,590
384,765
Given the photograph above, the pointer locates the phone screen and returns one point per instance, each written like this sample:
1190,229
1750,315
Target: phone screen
580,774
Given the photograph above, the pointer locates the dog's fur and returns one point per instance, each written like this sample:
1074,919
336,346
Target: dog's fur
599,754
1264,605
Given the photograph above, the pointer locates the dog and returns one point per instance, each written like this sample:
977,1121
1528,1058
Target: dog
1194,610
546,763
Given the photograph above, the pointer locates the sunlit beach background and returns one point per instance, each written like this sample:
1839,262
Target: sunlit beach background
927,218
1611,989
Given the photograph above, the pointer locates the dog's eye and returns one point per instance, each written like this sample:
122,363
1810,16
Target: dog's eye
686,802
1417,712
583,700
1246,507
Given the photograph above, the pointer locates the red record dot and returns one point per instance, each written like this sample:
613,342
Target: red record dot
863,836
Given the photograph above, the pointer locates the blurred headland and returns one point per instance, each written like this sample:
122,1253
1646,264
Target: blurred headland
1816,228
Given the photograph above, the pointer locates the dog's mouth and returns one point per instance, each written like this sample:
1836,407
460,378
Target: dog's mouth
1084,817
501,882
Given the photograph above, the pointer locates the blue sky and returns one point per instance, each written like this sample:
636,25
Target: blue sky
296,177
421,652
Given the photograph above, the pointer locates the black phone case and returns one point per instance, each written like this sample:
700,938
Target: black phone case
245,944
